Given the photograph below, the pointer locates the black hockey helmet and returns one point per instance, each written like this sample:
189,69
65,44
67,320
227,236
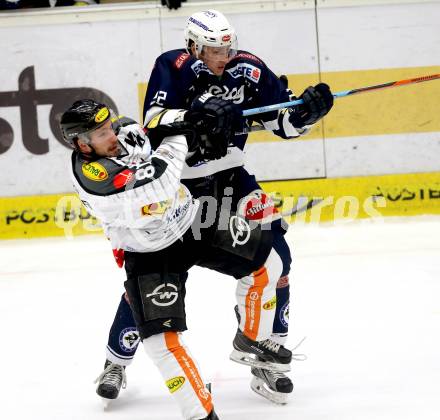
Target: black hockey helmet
83,117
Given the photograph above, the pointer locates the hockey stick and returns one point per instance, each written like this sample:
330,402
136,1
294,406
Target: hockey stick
341,94
301,209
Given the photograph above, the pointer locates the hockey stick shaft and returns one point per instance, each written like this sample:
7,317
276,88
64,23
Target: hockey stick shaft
260,110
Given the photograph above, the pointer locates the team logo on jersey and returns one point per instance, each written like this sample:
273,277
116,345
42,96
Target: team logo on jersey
164,295
240,230
246,70
258,207
123,178
284,315
181,59
155,209
94,171
235,95
270,304
129,339
101,115
174,384
200,66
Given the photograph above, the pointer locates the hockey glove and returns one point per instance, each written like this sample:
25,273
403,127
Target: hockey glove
214,120
318,101
132,138
158,133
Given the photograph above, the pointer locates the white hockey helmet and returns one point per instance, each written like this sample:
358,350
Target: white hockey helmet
209,28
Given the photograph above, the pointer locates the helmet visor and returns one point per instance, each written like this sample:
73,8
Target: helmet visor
98,120
216,58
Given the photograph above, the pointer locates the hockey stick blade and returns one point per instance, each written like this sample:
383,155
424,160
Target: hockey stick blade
307,206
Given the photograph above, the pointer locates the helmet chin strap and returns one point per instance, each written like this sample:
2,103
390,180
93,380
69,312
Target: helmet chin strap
90,155
199,49
93,153
194,50
88,143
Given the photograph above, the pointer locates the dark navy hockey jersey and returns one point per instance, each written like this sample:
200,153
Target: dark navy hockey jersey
178,77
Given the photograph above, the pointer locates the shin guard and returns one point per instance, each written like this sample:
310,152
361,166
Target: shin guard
180,373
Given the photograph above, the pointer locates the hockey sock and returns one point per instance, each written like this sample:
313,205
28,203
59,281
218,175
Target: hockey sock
123,338
281,321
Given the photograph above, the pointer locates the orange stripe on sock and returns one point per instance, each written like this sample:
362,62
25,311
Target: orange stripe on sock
253,303
190,369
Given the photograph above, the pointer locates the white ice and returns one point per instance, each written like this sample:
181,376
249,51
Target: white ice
366,296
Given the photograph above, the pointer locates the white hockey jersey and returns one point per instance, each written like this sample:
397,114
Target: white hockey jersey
137,196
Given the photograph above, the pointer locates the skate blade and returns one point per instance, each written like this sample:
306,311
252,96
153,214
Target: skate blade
259,387
248,360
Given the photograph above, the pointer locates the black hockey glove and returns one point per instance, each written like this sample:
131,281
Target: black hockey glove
284,80
214,120
318,101
158,133
172,4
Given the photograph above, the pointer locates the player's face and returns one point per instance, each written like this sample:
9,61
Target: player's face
215,58
104,141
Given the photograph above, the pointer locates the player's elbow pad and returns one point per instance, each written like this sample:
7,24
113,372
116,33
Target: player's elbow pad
164,116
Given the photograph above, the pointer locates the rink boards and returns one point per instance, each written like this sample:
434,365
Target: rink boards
317,200
383,145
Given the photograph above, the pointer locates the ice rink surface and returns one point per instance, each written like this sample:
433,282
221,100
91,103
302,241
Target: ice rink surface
366,295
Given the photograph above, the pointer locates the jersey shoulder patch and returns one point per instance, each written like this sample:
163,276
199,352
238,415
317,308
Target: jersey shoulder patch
246,70
94,171
198,66
174,58
96,177
246,56
181,59
245,65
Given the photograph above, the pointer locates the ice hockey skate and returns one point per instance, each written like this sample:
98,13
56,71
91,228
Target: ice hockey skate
110,382
265,354
274,386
